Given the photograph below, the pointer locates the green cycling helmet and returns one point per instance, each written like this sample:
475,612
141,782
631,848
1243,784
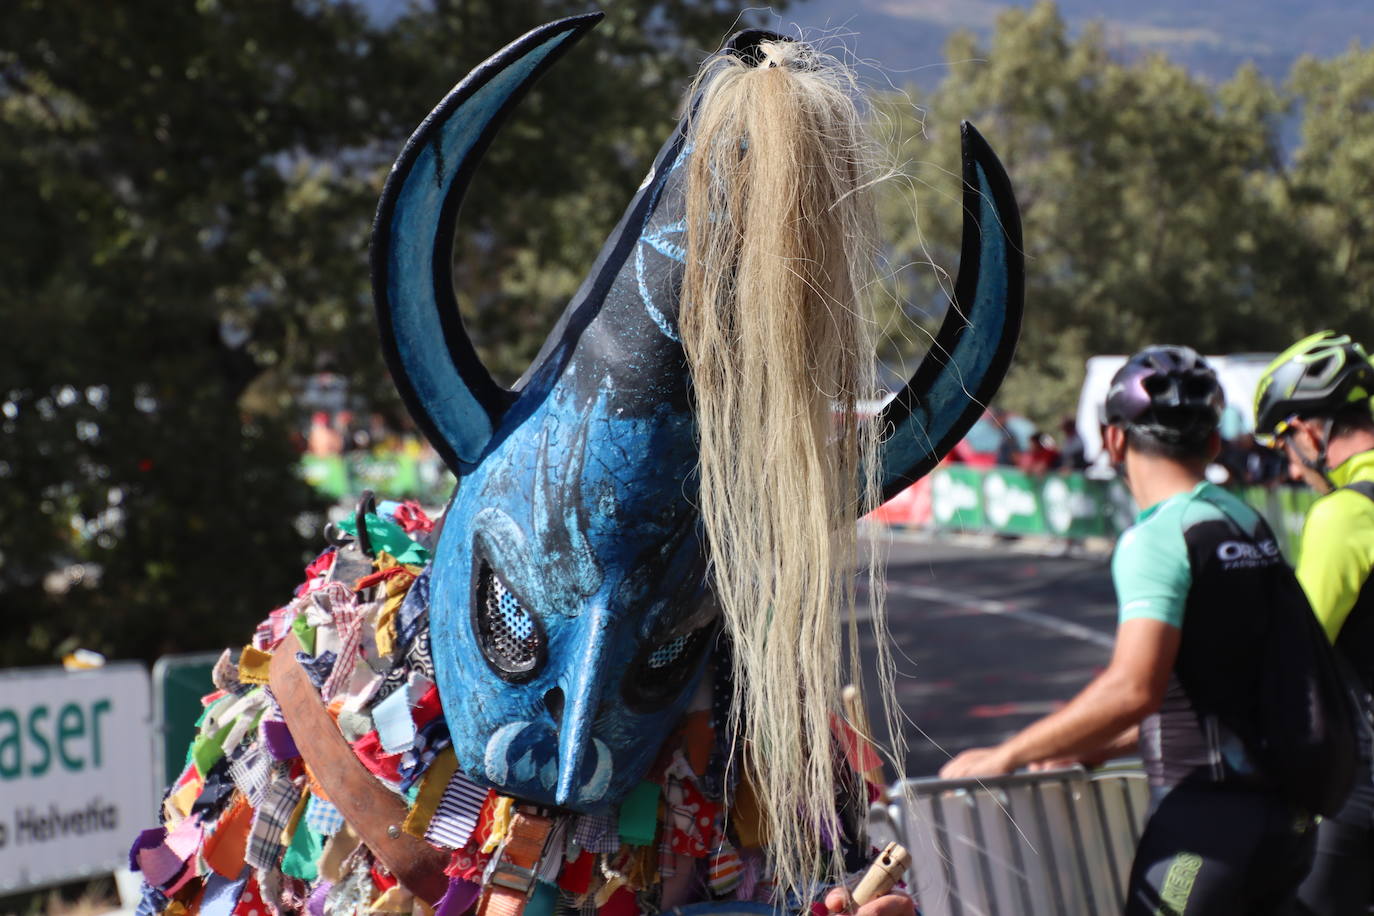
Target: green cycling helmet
1315,377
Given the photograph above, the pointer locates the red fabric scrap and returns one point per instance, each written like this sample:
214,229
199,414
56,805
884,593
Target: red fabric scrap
696,840
428,708
468,864
622,903
250,901
383,879
317,572
379,763
381,575
860,754
484,821
576,877
412,518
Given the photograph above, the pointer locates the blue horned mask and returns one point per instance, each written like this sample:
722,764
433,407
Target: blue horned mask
570,618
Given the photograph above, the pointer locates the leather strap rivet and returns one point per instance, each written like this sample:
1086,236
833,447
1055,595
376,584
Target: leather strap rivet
393,831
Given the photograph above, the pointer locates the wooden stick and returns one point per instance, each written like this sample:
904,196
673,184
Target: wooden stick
858,718
883,875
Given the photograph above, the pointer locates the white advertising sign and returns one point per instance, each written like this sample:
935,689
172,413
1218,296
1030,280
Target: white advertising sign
76,772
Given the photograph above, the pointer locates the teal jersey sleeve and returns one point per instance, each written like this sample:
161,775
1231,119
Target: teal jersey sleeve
1150,569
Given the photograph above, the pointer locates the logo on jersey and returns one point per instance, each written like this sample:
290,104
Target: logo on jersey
1248,554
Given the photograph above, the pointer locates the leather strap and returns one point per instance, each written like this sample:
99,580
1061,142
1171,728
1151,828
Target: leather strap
371,810
512,880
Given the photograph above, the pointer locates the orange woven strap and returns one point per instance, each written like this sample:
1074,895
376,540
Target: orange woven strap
375,813
512,880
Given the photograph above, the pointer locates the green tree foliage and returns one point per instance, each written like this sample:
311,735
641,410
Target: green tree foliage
1156,207
188,194
1331,182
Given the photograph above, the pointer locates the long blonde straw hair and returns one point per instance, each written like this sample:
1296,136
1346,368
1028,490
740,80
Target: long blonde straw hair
780,247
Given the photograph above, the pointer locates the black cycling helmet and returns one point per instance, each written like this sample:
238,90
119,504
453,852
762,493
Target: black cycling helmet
1167,392
1315,377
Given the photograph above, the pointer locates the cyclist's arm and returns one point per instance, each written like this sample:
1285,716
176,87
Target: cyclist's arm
1131,688
1128,742
1334,560
1152,576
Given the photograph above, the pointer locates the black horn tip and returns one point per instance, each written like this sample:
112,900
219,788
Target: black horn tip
745,44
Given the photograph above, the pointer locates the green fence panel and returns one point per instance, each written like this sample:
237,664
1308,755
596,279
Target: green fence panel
179,682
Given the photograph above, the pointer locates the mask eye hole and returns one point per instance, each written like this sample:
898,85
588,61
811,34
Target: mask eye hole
663,668
669,652
509,635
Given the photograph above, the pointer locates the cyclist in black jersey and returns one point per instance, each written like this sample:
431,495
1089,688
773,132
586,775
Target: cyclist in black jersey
1314,402
1194,577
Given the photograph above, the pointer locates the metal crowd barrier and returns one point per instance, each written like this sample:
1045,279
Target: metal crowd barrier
1058,843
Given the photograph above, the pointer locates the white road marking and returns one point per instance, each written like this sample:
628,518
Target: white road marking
1001,609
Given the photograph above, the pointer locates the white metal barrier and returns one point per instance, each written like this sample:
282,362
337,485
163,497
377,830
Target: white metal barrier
1058,843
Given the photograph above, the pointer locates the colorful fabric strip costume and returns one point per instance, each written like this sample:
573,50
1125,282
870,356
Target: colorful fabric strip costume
539,705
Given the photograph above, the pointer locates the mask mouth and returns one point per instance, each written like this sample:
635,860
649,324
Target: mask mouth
553,703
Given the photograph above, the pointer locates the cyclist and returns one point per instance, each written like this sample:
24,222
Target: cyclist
1314,402
1193,577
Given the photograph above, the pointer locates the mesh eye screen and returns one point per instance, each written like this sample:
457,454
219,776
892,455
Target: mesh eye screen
509,629
667,653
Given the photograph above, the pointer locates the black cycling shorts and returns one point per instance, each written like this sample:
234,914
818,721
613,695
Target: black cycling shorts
1212,850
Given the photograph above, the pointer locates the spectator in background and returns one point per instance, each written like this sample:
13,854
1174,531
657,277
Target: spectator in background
1041,456
1072,451
1248,463
1007,447
324,440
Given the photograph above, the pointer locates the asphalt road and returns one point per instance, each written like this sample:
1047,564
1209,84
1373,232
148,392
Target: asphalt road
987,639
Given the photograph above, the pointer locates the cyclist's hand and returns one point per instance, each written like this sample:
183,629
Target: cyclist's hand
894,904
1058,763
976,762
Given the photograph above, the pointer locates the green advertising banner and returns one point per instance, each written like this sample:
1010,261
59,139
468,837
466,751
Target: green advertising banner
328,474
395,476
956,499
389,476
1011,502
1075,507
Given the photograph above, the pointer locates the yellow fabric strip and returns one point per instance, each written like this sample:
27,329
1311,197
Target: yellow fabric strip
253,665
294,820
500,822
432,787
182,799
395,899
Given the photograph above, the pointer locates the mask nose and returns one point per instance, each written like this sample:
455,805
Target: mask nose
583,761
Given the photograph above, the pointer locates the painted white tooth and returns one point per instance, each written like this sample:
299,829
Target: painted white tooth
548,775
600,779
497,757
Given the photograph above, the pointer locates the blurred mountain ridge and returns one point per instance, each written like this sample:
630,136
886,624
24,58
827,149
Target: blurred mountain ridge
906,37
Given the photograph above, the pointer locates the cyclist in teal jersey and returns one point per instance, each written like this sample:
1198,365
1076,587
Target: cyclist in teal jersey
1191,575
